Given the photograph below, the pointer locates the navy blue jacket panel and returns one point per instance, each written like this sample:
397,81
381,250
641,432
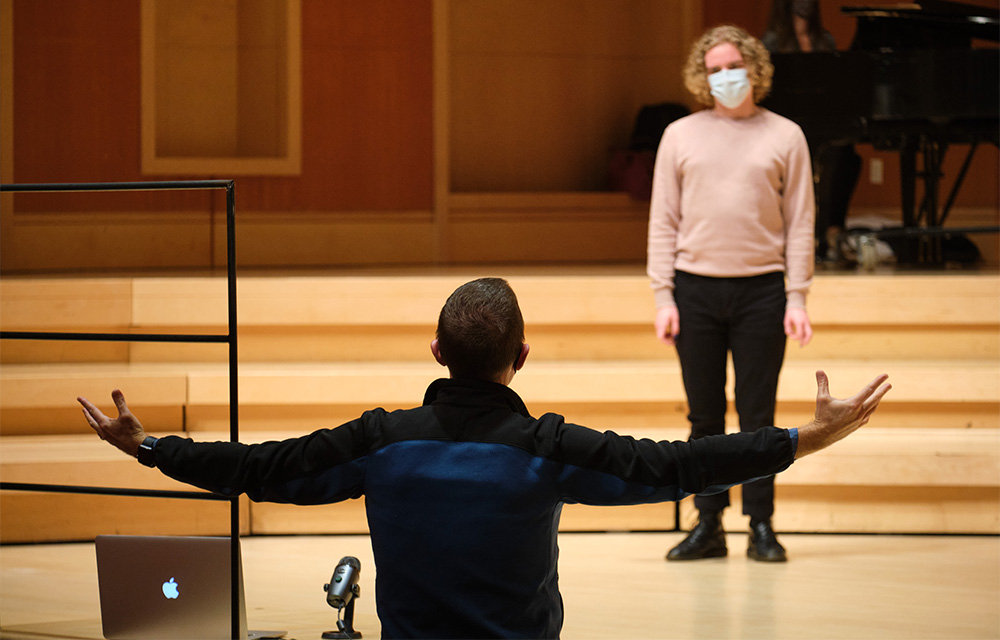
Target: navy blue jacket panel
463,496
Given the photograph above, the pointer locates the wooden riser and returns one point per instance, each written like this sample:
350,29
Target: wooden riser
874,456
317,351
402,384
52,517
631,418
548,343
870,510
38,517
564,298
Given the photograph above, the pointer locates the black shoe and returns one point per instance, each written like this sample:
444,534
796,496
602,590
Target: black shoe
706,540
764,545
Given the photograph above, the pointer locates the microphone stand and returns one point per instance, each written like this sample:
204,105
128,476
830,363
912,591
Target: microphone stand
345,628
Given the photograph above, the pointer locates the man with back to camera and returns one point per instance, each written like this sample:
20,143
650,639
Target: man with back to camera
463,494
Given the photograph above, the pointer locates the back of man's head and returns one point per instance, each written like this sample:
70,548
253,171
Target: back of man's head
480,330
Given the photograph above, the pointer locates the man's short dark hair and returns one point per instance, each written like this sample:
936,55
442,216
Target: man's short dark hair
480,330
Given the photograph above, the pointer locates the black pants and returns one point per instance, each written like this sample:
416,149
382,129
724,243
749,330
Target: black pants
744,316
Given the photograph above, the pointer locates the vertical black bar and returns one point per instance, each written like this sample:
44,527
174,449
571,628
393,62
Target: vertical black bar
933,158
907,188
234,421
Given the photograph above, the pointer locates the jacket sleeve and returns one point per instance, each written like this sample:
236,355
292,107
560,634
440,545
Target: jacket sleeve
608,469
323,467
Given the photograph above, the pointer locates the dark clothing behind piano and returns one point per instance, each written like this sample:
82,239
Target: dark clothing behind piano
836,165
914,81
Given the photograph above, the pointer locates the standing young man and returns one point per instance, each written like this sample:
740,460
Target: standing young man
731,259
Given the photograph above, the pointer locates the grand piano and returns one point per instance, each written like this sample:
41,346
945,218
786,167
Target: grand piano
917,78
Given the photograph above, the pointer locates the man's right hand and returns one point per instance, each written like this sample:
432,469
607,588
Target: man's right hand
836,419
125,432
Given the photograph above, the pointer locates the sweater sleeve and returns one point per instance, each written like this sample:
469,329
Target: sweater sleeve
323,467
664,220
607,468
799,210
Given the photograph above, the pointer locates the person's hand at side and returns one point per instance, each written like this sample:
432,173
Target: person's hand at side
797,325
125,431
835,418
667,324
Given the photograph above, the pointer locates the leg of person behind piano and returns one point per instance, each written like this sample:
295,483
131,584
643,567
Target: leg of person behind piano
838,167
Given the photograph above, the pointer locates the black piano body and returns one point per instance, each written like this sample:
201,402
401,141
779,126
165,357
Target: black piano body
912,82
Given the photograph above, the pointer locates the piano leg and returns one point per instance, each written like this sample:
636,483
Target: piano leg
908,188
923,248
933,153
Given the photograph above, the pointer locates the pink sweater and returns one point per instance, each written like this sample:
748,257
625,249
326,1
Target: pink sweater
732,198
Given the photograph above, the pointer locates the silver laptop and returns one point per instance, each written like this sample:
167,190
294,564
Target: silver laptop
168,587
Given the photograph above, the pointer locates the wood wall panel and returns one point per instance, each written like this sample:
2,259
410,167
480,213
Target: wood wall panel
367,147
546,228
325,238
77,73
530,95
6,125
221,87
367,134
366,109
101,241
540,92
76,69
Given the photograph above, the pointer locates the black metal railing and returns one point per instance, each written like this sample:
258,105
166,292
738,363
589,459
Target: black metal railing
228,338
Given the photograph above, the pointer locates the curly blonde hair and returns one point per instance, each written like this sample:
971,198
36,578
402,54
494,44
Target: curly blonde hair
760,71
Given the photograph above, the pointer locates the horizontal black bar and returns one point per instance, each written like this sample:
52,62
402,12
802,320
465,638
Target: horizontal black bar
113,337
110,491
895,232
120,186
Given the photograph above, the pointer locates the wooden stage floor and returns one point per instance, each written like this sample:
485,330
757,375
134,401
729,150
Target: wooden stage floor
615,585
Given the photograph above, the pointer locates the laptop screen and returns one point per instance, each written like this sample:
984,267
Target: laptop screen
159,587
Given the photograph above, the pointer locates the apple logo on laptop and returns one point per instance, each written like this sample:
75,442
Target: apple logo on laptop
170,589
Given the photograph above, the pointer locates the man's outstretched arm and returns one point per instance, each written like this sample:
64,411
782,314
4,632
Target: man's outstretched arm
835,418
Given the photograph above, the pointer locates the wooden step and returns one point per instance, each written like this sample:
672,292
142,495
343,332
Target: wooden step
569,317
548,343
41,386
316,351
560,299
183,391
84,460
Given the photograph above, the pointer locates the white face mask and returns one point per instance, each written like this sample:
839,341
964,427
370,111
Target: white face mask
729,86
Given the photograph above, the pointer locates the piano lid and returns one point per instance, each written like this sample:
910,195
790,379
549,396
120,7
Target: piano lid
927,24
